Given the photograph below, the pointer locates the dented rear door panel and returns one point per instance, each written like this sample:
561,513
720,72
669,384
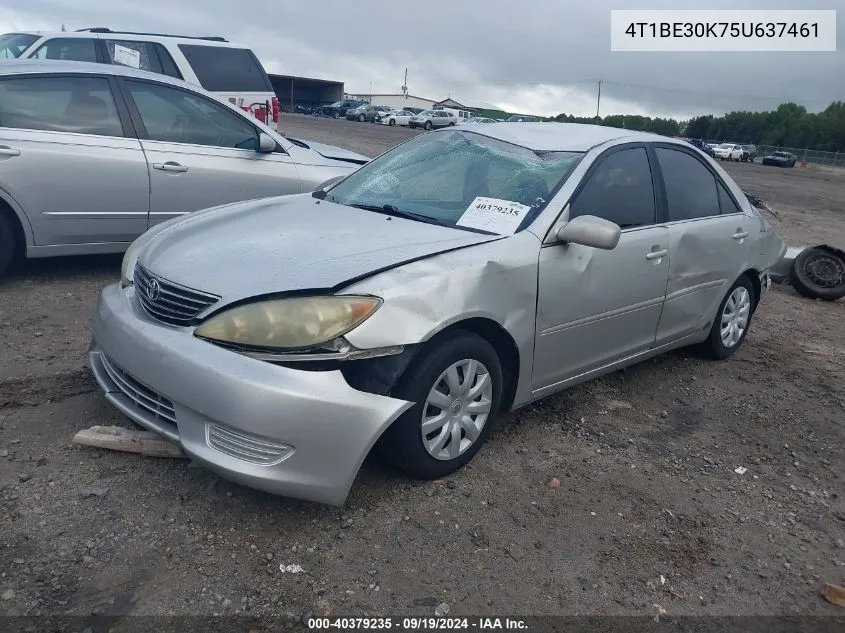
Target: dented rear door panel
708,255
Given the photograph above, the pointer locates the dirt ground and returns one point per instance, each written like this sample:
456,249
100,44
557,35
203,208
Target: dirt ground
649,515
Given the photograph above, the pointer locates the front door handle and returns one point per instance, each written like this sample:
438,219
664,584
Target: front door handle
657,254
740,234
170,166
8,151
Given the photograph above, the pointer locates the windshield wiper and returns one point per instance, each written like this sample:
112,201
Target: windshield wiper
390,209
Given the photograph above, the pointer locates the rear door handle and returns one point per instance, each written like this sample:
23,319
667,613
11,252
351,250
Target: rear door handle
740,235
8,151
170,166
657,254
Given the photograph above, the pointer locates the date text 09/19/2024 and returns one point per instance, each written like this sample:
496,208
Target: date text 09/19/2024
416,623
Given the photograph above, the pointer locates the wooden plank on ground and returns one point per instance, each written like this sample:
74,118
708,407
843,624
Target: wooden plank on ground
117,438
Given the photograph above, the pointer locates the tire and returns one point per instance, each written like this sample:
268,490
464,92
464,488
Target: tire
7,242
715,347
360,118
404,442
451,125
427,125
392,122
819,273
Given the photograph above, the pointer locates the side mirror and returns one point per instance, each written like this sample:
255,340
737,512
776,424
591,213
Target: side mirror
589,230
266,144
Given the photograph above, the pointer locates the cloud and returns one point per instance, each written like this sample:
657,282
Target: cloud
535,57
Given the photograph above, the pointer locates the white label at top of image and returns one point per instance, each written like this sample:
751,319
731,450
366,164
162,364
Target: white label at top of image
723,30
127,56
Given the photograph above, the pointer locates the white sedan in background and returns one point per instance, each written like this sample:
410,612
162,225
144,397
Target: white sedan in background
396,117
728,151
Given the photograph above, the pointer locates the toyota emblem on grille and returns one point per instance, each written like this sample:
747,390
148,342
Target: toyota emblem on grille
153,290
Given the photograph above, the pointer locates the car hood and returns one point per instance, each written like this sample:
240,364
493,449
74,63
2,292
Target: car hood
289,244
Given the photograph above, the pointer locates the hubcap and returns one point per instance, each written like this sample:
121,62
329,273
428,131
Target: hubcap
456,409
825,270
735,316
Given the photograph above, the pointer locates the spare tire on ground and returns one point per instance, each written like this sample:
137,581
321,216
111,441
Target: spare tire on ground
819,273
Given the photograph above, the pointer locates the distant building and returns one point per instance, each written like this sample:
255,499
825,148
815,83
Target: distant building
478,108
292,91
393,100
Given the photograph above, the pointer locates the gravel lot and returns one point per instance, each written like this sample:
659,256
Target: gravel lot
649,511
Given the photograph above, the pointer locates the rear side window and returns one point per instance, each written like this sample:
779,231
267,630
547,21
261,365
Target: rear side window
134,54
726,203
12,45
168,66
78,49
223,69
690,187
84,105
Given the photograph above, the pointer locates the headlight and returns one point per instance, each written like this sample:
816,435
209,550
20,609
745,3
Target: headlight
295,323
124,266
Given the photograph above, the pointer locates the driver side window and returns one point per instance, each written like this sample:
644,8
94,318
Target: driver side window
177,116
619,190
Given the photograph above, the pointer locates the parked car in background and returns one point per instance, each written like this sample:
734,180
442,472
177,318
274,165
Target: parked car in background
482,119
519,118
339,109
704,147
397,117
428,119
749,153
91,156
373,113
728,151
461,116
357,114
780,159
503,275
228,71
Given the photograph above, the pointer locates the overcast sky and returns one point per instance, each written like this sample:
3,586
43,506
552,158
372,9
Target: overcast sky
537,56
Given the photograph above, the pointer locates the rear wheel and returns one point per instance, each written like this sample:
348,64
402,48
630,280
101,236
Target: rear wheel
730,327
456,385
7,241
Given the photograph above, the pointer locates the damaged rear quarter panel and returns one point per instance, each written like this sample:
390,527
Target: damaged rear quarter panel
495,281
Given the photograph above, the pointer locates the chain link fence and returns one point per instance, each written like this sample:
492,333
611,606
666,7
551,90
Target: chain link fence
811,156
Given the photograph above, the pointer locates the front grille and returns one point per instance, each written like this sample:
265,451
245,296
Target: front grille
142,397
246,447
167,301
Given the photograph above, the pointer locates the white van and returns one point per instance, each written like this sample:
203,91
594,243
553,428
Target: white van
231,73
461,116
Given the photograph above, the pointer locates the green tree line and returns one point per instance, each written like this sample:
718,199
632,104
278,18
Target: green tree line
788,126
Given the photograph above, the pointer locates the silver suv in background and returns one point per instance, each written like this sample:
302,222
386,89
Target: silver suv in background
230,72
428,119
91,156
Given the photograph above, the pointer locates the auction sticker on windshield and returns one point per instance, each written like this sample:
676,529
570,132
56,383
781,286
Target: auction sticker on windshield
494,215
127,56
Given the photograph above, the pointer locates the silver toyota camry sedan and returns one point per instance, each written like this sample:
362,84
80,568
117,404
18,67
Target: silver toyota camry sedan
464,272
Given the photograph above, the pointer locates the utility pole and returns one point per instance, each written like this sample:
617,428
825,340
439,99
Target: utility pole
598,102
405,86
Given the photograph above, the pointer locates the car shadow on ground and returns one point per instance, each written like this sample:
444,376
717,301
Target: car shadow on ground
64,268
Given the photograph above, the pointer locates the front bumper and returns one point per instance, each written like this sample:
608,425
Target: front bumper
296,433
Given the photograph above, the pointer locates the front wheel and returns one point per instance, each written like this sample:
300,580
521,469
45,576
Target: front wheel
392,122
427,125
360,118
730,327
456,384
